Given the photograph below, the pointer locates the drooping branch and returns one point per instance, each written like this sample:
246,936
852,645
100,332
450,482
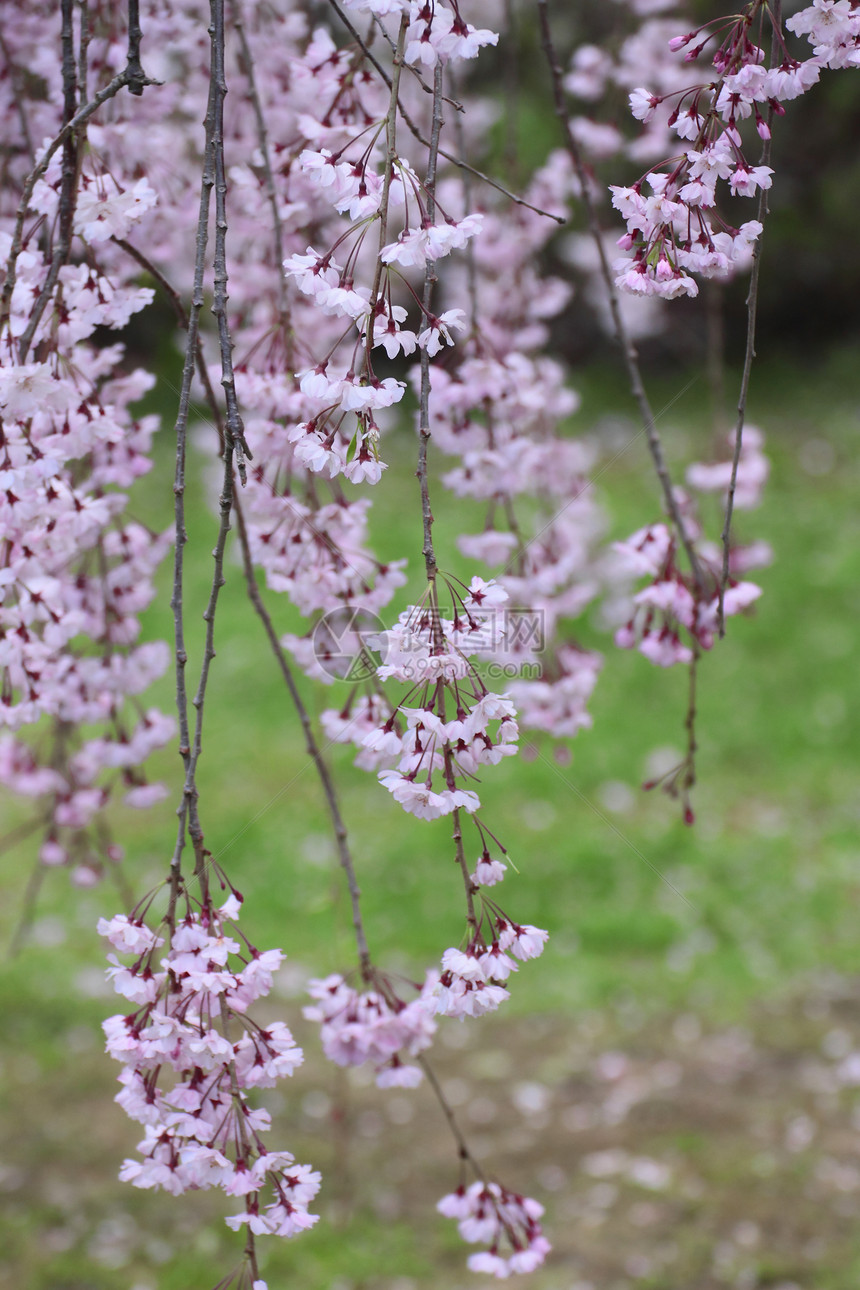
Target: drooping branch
233,443
388,176
247,63
427,299
234,427
775,11
180,534
424,436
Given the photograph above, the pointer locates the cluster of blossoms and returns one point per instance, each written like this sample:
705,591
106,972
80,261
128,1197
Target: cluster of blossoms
494,1216
75,572
675,612
472,980
340,432
599,80
832,27
434,33
673,226
449,735
458,728
186,1077
373,1026
672,604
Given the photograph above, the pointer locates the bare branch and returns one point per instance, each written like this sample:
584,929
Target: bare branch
180,534
462,1145
233,436
427,298
234,427
136,78
393,83
311,743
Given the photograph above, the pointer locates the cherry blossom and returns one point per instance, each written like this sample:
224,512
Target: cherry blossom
201,1131
375,1026
488,1213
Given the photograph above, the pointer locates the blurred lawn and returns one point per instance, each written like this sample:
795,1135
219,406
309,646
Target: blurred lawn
769,876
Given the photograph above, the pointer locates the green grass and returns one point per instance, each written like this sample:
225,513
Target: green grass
756,901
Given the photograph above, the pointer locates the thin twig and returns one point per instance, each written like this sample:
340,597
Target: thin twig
462,1145
427,299
235,429
628,349
182,318
390,159
225,506
20,832
690,726
83,50
424,435
28,910
247,64
460,854
154,272
749,354
512,89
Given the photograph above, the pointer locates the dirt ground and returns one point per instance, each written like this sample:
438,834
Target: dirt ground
669,1154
